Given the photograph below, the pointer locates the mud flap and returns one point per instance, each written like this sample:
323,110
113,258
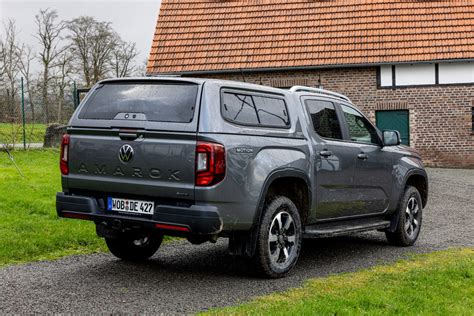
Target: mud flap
393,222
244,245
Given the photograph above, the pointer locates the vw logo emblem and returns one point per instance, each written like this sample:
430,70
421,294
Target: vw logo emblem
126,153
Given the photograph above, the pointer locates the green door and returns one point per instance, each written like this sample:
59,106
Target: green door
395,120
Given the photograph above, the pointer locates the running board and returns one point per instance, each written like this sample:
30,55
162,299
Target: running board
344,227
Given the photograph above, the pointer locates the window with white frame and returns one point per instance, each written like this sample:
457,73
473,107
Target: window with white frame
403,75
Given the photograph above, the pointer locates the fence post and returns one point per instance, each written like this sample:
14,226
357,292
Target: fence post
23,112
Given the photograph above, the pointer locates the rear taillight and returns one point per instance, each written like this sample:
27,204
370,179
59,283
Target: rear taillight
210,163
63,164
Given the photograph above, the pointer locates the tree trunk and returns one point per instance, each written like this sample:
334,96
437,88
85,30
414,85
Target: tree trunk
45,91
60,104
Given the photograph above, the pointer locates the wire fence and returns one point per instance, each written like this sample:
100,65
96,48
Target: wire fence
25,118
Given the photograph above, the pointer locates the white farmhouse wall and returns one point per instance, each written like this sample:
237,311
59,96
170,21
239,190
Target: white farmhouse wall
386,75
416,74
425,74
456,73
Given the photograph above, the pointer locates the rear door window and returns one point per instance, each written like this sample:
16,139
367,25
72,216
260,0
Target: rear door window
324,118
255,110
158,102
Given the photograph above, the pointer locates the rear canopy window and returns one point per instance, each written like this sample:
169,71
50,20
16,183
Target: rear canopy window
159,102
257,110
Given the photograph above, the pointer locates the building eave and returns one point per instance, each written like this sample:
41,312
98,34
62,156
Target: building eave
301,68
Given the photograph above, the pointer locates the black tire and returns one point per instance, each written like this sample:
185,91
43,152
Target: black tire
409,219
134,247
275,258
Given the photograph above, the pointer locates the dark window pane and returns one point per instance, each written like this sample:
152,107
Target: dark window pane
156,101
360,129
239,108
324,117
271,111
249,109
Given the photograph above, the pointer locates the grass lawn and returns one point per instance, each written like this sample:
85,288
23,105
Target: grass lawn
29,227
34,133
440,283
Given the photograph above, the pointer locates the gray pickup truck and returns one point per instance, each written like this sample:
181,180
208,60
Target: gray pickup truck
264,167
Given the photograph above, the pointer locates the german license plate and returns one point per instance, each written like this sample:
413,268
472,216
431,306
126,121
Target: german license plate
130,206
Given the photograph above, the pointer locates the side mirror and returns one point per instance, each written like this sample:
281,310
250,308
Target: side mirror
391,138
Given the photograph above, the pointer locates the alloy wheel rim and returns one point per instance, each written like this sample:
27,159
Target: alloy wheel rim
282,239
412,217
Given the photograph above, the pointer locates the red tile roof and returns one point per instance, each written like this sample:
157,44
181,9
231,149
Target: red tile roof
213,35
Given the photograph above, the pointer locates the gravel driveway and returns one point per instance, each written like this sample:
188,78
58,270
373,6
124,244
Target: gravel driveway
182,278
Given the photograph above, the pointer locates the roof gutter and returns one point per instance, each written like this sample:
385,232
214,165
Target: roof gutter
277,69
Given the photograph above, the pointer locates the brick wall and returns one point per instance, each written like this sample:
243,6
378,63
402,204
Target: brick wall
440,116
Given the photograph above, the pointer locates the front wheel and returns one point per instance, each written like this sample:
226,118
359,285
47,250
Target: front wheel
279,238
135,247
409,219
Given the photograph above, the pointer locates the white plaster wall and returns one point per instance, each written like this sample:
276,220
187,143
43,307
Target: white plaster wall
414,74
386,75
456,72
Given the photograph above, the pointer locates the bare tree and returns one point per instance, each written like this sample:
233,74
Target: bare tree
104,41
123,59
25,57
32,86
2,61
92,43
81,31
15,61
62,80
10,68
49,35
142,69
2,74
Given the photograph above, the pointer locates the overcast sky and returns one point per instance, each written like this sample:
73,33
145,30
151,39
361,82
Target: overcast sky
134,20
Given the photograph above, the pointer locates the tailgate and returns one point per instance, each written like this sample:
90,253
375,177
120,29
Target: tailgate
136,137
155,164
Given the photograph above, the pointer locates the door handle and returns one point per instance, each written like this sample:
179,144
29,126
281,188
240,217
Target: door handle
128,136
362,156
325,153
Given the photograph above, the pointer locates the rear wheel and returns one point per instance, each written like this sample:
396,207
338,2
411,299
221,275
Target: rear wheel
279,238
134,247
409,219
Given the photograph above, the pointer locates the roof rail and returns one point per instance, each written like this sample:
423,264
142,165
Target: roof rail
319,91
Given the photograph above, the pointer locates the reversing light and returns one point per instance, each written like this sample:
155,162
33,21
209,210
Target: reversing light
210,163
63,164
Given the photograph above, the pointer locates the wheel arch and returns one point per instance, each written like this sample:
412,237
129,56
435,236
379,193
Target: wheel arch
247,245
414,177
419,180
273,185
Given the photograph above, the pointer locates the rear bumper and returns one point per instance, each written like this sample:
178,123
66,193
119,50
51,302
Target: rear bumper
195,219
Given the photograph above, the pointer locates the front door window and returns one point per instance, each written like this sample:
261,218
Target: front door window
360,129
